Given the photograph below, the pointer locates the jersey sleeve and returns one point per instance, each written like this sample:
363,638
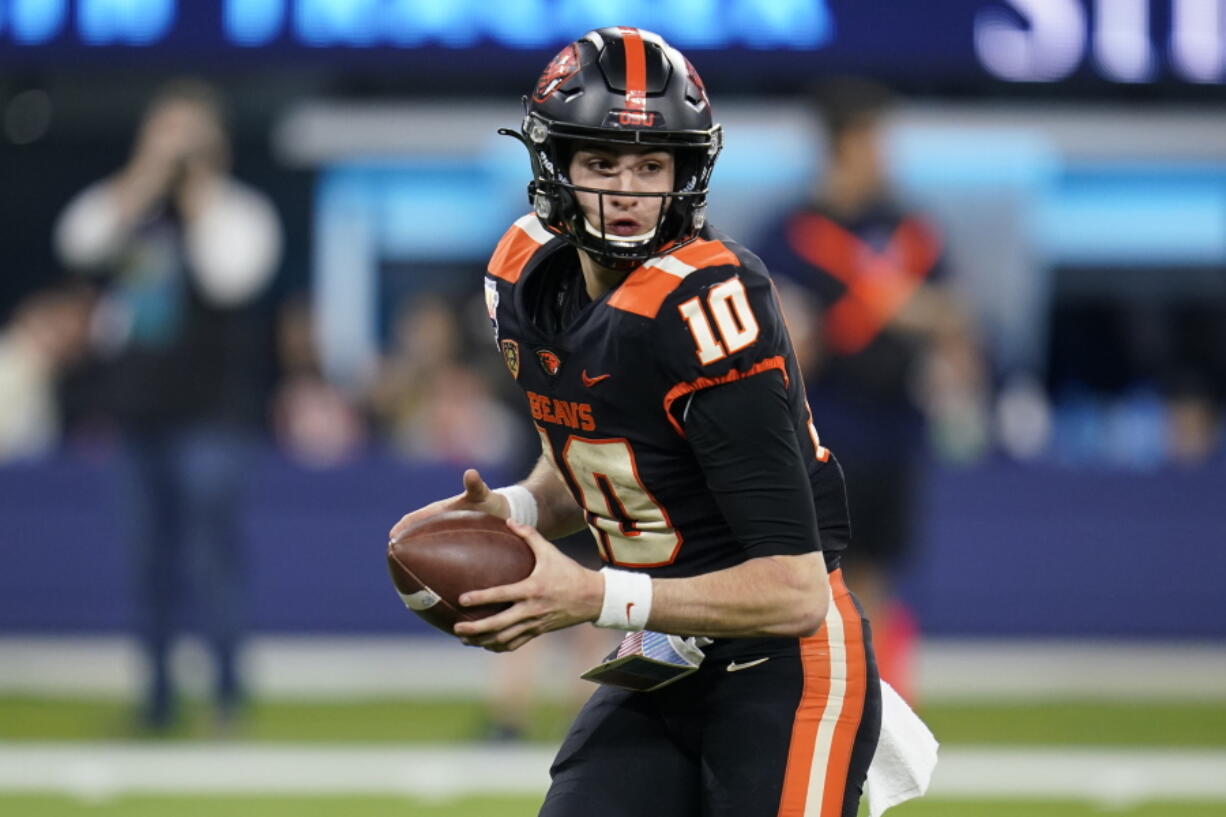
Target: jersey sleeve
722,324
743,437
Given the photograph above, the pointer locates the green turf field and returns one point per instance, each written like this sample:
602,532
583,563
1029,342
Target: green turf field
1183,724
517,807
404,722
1167,724
269,807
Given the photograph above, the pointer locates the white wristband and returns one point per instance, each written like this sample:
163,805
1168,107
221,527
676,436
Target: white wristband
627,600
522,504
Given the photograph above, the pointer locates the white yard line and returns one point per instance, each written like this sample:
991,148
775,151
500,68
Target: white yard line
94,772
1112,777
319,668
1046,669
98,771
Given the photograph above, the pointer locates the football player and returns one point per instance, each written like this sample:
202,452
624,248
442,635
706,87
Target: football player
672,417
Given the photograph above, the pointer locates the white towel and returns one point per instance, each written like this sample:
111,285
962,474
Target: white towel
906,755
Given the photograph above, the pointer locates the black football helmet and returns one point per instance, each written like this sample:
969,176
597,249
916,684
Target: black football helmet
619,86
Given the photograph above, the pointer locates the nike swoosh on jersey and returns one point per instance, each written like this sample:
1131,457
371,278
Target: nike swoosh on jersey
735,667
591,381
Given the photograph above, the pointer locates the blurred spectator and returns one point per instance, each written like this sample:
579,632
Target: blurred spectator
1194,428
881,340
1139,375
432,406
184,252
47,333
435,408
518,675
316,424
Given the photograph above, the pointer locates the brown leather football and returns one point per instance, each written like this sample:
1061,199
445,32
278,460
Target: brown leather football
437,560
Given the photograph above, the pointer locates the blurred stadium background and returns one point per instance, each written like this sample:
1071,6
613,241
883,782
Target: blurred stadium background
1070,579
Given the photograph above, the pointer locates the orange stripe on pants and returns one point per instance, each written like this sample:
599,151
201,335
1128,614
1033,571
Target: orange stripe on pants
815,658
829,712
853,703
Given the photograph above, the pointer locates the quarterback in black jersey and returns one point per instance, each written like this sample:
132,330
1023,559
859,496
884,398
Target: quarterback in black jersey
659,374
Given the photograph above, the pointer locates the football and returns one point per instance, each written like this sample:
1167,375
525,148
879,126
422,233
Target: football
437,560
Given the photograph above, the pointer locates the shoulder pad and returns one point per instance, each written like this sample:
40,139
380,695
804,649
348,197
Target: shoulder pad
645,289
517,246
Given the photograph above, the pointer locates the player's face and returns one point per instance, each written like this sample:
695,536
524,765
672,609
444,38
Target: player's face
622,171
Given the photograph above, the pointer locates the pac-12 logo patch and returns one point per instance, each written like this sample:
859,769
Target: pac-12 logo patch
550,362
510,355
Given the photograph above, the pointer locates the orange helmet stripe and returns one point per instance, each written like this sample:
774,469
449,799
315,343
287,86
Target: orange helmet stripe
636,69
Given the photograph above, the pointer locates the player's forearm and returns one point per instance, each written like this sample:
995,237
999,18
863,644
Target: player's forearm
557,513
767,596
933,310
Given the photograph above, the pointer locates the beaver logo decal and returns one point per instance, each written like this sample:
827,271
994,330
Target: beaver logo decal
563,66
549,361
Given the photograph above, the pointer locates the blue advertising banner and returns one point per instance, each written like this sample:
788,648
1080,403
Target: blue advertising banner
1005,550
1100,42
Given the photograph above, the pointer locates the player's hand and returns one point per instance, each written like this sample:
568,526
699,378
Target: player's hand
477,496
559,593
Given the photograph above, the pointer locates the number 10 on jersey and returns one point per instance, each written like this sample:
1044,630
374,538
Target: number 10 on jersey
735,323
631,528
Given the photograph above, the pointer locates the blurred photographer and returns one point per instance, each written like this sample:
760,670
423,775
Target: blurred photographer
182,252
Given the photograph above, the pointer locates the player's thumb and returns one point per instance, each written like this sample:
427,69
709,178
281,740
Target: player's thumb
475,489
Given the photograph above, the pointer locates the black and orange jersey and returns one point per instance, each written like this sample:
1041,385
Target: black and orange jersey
861,271
608,383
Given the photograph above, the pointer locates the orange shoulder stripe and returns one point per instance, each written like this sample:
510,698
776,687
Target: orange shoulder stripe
645,289
681,389
517,245
699,254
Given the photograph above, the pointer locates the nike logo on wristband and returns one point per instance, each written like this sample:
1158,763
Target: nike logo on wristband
735,667
629,604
